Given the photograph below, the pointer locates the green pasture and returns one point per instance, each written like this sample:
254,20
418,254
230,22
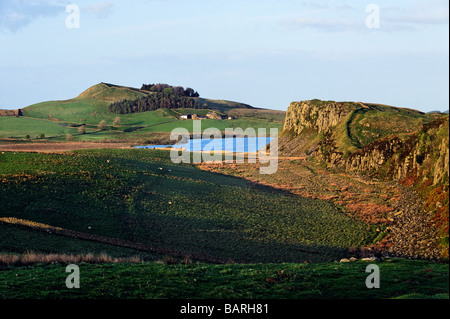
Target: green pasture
140,195
399,279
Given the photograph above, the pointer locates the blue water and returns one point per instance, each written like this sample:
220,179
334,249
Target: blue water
236,144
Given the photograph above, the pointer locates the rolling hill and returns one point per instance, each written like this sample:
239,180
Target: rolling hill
55,120
133,218
382,143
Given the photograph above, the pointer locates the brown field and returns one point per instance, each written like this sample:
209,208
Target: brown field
58,147
387,206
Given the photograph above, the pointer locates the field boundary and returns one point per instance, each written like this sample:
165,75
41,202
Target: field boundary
60,147
113,241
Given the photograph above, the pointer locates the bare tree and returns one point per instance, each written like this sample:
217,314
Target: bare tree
102,125
117,121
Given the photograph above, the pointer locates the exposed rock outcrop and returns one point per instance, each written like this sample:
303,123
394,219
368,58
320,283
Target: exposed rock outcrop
394,157
316,115
424,154
417,158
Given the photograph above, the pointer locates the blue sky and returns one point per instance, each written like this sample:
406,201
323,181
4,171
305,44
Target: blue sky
266,53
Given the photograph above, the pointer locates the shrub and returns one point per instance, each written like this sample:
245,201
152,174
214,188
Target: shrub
102,125
169,260
30,258
117,121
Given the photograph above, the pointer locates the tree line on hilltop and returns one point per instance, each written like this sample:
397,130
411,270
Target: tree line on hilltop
163,96
168,89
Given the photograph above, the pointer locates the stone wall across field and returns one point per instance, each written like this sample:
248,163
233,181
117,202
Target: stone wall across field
17,112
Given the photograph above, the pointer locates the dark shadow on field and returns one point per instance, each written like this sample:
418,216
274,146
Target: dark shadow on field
167,168
225,240
135,207
20,240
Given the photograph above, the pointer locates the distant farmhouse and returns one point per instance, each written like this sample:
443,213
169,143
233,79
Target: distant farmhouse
210,115
186,117
15,113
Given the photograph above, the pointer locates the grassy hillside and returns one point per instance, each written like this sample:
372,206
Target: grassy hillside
139,196
223,236
57,119
402,279
19,128
124,194
112,93
92,105
368,125
222,105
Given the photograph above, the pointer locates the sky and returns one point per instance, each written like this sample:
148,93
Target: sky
266,53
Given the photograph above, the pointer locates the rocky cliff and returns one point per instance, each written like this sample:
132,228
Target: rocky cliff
405,146
328,129
307,122
317,115
424,154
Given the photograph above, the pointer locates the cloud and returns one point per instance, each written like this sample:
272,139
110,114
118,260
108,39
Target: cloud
336,18
101,10
339,5
429,12
16,14
324,24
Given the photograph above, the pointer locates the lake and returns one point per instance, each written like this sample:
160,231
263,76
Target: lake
236,144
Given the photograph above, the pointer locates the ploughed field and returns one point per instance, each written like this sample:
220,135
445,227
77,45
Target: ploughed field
131,202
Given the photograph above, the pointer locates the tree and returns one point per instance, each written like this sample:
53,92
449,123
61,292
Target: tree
82,129
166,99
189,92
160,87
168,91
117,121
178,90
147,87
102,125
69,137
